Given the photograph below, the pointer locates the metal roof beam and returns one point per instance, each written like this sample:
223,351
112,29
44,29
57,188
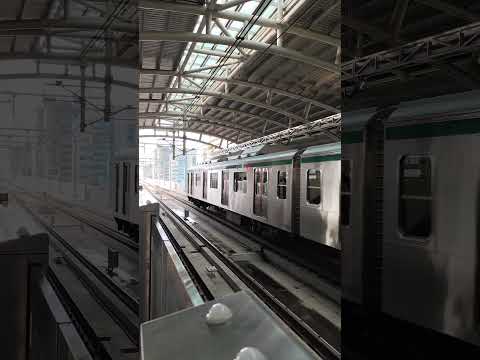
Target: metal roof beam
249,44
373,31
197,118
230,4
318,20
64,77
264,87
229,110
71,59
245,113
227,32
98,9
181,138
254,85
399,13
233,15
232,97
174,72
158,72
211,67
217,53
451,10
170,101
77,23
320,126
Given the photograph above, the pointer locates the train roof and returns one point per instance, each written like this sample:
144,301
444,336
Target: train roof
355,120
322,150
261,149
464,103
452,104
278,158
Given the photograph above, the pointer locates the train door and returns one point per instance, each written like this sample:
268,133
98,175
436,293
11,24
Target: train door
204,184
225,187
260,198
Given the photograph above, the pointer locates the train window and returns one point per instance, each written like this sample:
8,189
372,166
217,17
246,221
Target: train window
261,182
240,182
136,179
265,182
282,184
415,205
214,181
346,192
313,187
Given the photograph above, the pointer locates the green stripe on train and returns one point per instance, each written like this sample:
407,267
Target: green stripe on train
315,159
258,164
269,163
437,129
352,137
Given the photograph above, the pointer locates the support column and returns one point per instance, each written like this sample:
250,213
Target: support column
45,140
66,9
149,212
279,19
107,104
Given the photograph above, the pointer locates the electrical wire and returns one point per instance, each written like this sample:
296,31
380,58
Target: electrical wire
106,24
238,39
241,38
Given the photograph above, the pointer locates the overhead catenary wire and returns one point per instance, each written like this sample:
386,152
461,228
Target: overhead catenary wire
242,34
239,38
122,5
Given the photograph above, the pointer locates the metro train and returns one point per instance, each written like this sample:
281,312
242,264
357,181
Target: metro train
294,190
126,191
410,202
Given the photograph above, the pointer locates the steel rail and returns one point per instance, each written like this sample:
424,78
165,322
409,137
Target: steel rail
309,335
264,244
81,323
104,229
131,329
203,288
124,297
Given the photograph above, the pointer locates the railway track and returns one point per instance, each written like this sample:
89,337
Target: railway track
324,265
121,306
233,272
97,349
91,222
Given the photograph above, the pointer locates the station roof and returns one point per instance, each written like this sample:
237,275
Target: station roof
67,32
394,50
216,69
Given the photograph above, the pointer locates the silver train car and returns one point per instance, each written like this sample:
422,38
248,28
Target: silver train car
413,170
126,191
294,190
